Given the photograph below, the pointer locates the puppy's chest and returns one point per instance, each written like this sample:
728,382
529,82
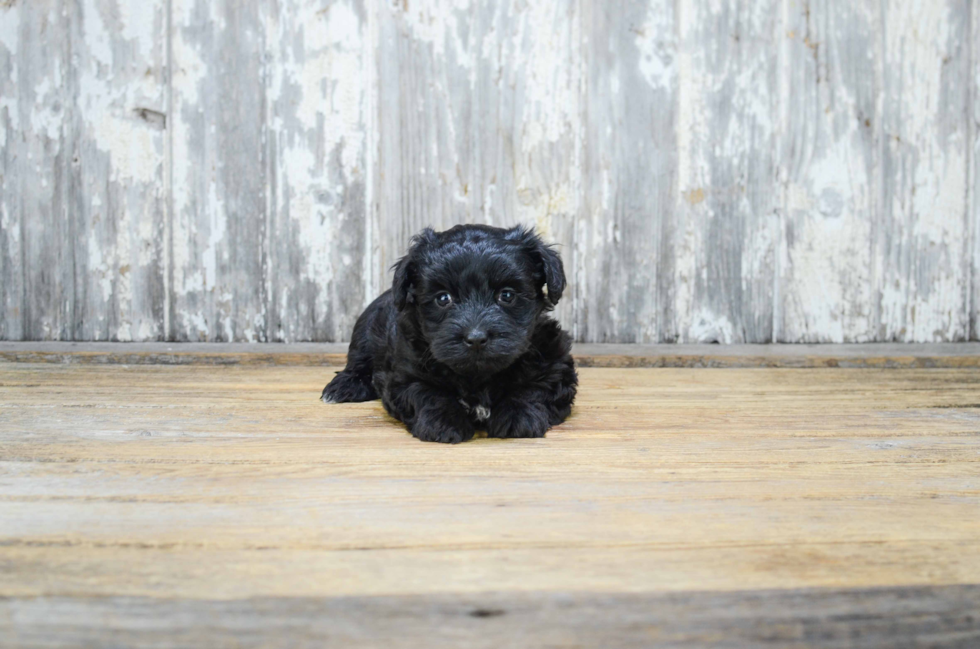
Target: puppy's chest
477,404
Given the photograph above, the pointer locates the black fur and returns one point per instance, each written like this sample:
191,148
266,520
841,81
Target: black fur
425,360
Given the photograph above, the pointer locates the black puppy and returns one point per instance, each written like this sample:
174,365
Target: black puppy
463,338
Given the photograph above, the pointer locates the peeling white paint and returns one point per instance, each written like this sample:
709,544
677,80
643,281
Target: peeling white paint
973,203
47,118
108,103
96,37
551,88
9,44
198,218
139,20
120,158
551,118
709,327
190,71
9,28
829,250
691,128
656,44
817,156
322,139
215,240
826,285
334,49
923,296
436,22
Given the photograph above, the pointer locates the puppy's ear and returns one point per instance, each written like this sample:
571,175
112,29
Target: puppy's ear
546,259
401,286
554,272
407,267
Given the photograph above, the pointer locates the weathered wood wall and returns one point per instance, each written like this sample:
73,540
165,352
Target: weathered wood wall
715,170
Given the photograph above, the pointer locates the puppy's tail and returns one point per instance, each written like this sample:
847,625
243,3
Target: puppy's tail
348,386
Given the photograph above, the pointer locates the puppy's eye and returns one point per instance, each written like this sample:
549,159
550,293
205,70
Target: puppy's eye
444,299
506,296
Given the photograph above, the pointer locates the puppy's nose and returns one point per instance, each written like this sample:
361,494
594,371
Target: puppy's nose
476,338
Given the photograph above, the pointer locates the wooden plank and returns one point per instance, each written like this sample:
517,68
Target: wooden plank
167,506
11,258
479,120
221,172
924,230
318,96
886,618
877,355
235,482
829,169
289,206
726,227
36,113
623,254
974,188
118,195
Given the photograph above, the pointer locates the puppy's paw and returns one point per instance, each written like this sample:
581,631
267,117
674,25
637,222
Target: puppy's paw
512,419
348,387
446,427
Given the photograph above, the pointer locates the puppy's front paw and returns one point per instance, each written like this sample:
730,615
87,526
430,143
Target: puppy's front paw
445,427
348,386
518,420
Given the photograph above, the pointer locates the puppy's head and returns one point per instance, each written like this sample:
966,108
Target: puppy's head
475,293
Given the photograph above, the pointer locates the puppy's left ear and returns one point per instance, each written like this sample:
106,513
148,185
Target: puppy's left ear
554,272
546,259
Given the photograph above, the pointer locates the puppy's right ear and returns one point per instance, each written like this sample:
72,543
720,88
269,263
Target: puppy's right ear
403,284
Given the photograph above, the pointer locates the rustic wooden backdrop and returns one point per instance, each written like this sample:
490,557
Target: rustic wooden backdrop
715,170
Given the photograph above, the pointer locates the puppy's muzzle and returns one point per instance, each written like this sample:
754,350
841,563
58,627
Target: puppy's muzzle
476,339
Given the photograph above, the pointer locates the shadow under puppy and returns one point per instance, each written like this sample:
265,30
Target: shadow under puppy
463,338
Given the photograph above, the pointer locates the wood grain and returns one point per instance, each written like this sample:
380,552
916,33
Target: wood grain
11,261
118,193
829,167
622,260
36,116
724,171
726,228
190,492
884,618
221,173
924,234
319,61
974,198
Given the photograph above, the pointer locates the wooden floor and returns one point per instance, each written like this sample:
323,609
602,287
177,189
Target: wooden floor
226,506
